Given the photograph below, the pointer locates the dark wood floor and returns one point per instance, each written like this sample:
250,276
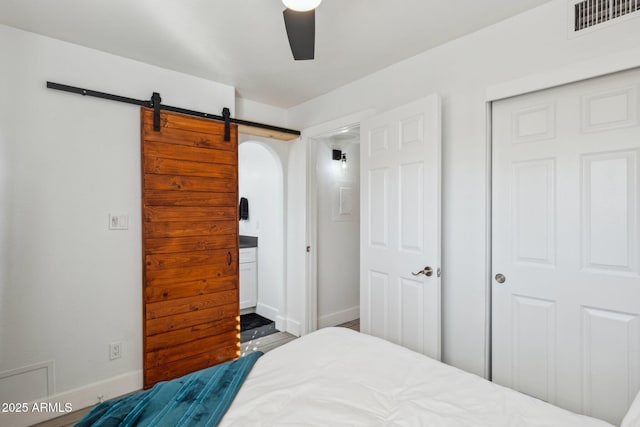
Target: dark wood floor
263,344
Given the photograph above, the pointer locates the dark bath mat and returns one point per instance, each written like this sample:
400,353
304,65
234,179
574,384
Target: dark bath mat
252,321
254,326
259,332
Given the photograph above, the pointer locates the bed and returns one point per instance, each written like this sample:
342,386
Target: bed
339,377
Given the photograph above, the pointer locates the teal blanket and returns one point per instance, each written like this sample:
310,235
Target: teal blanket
198,399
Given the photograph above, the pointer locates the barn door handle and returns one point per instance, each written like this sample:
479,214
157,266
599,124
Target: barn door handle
427,271
229,258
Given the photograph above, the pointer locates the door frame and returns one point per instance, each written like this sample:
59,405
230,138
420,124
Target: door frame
570,73
268,144
309,136
573,73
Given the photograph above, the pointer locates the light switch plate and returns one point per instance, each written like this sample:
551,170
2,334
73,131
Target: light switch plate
118,222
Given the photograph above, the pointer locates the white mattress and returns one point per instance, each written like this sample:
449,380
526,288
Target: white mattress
632,419
338,377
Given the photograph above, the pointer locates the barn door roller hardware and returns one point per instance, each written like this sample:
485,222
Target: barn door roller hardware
156,103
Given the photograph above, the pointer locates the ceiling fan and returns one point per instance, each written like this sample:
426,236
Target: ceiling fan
300,22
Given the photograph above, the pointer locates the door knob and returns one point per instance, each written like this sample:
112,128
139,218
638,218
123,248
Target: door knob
500,278
427,271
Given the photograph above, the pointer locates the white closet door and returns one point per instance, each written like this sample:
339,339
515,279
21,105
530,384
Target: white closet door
566,258
400,226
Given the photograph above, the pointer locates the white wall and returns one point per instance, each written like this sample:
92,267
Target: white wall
69,287
261,182
247,109
338,235
460,71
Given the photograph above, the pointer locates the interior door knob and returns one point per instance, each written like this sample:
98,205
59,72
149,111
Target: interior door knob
427,271
500,278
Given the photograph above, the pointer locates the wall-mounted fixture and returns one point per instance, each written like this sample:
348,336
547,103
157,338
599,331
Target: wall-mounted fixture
339,155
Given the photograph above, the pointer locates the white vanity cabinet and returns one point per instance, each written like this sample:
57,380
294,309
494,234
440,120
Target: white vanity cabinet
248,278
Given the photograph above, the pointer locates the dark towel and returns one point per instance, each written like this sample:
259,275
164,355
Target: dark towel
244,208
198,399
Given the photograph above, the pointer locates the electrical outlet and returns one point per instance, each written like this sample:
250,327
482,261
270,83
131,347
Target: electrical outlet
115,350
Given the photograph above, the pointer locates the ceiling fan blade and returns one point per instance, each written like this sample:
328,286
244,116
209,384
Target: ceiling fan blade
301,30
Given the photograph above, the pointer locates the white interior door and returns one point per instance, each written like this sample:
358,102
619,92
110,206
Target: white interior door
400,226
566,324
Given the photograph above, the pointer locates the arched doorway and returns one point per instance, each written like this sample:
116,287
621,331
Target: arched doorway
261,181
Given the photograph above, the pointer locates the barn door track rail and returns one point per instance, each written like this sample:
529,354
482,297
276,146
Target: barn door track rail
156,103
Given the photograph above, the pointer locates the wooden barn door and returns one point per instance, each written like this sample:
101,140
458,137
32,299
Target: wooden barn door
190,245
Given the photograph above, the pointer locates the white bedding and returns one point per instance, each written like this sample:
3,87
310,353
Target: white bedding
338,377
632,419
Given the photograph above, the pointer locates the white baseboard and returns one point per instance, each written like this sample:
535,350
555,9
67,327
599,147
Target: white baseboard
282,323
293,327
247,310
78,398
267,311
339,317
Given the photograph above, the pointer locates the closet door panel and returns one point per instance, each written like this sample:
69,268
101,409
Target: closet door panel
188,289
214,356
161,166
190,245
187,183
195,214
190,229
185,152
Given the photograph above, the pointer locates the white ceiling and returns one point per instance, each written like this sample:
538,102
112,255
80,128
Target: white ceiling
243,43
